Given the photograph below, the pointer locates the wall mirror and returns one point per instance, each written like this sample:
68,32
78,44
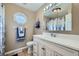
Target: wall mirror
58,16
20,18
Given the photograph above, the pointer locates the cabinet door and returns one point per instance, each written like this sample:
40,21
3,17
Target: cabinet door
45,49
49,51
35,46
42,50
35,49
52,53
63,51
57,54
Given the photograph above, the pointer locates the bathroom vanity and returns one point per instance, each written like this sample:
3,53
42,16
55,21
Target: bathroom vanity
58,17
61,45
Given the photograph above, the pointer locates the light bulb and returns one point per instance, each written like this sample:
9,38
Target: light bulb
55,11
47,7
50,4
44,9
58,10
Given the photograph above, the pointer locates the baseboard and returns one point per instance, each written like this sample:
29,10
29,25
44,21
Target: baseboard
15,51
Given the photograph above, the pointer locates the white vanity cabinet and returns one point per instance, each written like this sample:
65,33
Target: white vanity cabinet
63,51
41,48
46,48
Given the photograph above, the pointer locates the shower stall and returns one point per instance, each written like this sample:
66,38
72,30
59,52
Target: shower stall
2,30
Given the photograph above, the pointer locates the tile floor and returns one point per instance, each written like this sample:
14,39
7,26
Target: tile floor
24,53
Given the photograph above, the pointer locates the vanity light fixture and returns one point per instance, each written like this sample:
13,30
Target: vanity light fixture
49,6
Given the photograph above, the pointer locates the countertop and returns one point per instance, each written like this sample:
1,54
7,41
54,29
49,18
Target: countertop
72,43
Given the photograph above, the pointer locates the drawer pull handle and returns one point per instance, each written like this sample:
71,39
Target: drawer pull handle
43,48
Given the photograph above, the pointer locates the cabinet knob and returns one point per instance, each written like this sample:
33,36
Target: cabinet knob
43,48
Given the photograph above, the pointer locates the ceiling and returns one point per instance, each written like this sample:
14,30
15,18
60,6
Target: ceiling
31,6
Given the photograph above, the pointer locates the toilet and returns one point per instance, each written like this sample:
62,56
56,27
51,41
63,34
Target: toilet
29,47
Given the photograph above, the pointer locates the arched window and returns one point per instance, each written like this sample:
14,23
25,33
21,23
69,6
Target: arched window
20,18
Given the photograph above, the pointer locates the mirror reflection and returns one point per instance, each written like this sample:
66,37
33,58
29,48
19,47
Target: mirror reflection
58,16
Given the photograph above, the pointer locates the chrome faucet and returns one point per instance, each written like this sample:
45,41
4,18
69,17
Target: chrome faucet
53,34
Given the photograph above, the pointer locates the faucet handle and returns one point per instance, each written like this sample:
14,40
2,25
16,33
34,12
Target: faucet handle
53,34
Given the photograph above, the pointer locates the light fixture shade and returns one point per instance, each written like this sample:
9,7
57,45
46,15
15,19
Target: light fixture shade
56,10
